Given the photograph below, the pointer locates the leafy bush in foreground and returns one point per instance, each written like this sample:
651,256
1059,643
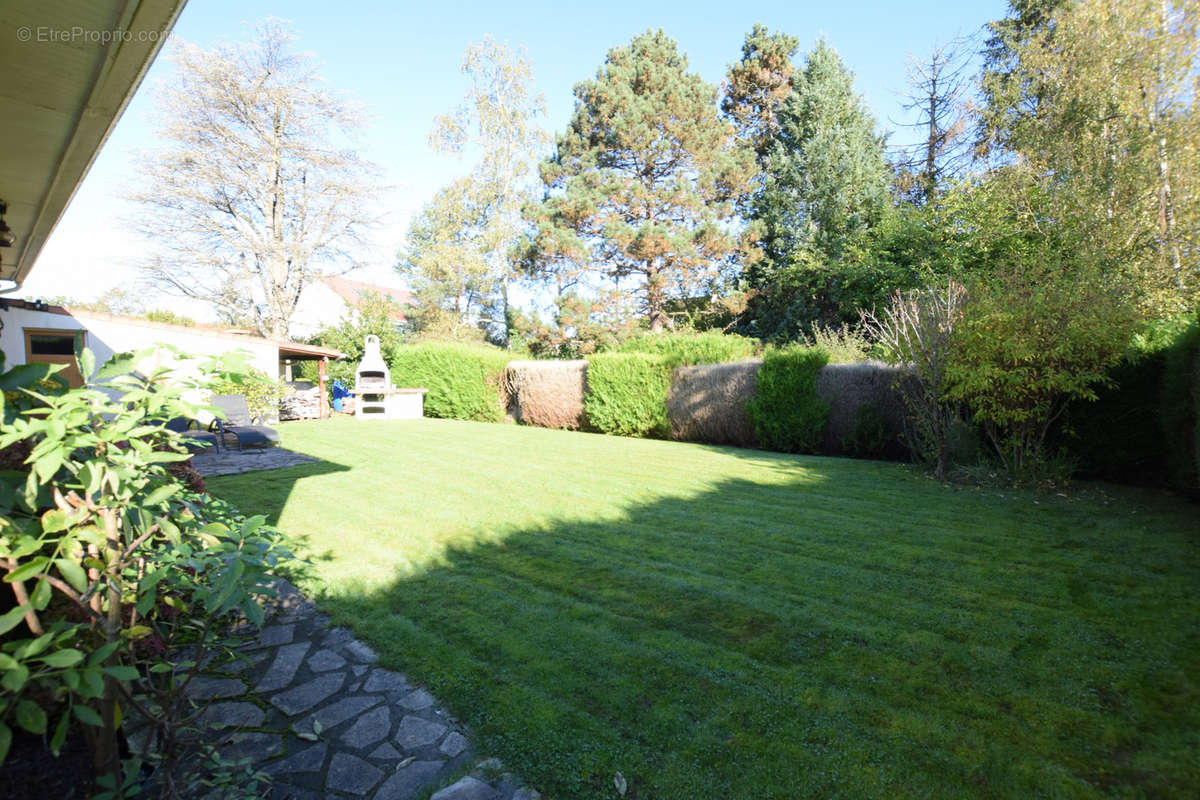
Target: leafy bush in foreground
114,565
786,411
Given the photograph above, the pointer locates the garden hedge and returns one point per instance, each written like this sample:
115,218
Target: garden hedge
690,349
627,394
866,409
786,411
548,394
707,403
1144,428
464,381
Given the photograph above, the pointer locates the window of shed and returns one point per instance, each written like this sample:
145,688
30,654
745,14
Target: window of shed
48,344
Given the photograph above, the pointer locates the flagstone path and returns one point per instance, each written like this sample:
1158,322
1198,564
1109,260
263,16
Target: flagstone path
308,704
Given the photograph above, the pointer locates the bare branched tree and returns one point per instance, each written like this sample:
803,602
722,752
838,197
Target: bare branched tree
253,198
916,329
939,88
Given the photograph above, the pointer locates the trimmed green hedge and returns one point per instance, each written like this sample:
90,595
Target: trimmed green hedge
690,349
786,412
627,394
463,380
1145,427
1179,412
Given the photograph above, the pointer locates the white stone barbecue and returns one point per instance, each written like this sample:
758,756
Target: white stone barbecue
374,395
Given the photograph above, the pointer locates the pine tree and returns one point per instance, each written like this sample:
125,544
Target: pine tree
641,186
757,86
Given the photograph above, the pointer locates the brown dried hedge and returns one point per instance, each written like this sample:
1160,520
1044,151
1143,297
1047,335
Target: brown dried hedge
707,403
866,410
548,394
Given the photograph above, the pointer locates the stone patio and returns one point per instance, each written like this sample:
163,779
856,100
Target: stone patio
308,705
228,462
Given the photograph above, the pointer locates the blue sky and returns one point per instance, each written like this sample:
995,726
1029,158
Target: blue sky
402,61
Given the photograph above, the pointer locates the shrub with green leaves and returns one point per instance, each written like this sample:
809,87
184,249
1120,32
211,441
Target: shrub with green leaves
261,391
1032,339
464,381
689,349
627,394
113,564
786,411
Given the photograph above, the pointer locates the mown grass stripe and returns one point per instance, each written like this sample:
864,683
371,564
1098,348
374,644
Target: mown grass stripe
717,622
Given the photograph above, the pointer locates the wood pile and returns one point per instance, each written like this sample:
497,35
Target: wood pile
301,404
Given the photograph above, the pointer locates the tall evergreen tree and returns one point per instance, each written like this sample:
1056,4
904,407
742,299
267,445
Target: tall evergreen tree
641,187
828,183
757,86
1011,94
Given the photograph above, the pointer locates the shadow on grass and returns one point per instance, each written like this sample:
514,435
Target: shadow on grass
842,632
267,491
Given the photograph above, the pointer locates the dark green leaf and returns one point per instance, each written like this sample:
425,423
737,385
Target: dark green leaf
63,658
39,598
102,653
60,733
14,679
32,648
12,618
87,363
27,570
122,673
25,375
160,494
88,716
31,717
73,573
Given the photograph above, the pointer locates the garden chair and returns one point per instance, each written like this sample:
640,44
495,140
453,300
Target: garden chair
239,423
198,440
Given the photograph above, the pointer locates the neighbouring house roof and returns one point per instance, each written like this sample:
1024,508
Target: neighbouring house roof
287,349
69,68
353,291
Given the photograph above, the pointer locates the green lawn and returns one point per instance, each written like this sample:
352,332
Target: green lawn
723,623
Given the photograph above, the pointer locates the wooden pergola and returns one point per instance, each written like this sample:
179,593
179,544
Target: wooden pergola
294,351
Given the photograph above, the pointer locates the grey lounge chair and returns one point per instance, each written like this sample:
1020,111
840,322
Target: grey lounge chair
239,423
198,440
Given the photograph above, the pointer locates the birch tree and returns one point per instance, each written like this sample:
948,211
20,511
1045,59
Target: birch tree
253,196
498,122
1115,133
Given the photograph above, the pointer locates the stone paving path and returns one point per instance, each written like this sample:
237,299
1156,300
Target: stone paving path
228,462
307,703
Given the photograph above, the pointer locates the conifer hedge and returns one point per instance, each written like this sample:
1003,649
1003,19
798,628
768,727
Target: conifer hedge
627,394
786,411
464,381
